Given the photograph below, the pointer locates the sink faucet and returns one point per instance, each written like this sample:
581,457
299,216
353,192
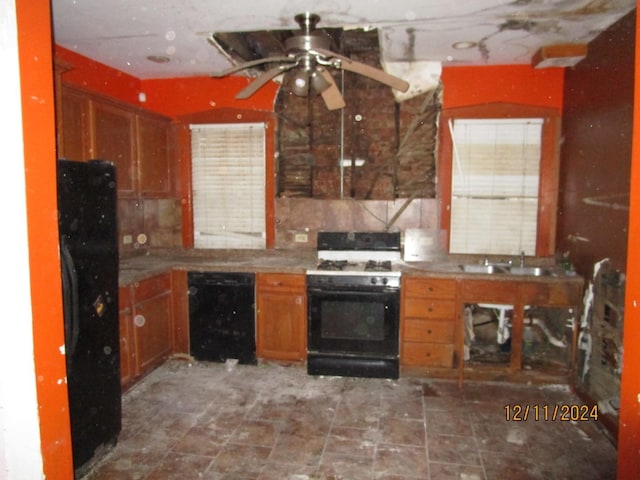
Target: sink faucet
522,258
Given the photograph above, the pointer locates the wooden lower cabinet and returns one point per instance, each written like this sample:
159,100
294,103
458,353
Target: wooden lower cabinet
281,316
428,321
147,323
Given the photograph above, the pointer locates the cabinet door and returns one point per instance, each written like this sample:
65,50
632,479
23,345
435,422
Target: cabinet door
114,140
152,322
281,316
153,158
281,325
73,126
152,331
126,350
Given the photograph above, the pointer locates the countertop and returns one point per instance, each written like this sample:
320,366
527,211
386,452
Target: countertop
151,262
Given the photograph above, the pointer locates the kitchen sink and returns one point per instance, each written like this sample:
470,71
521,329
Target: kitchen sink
508,270
534,271
487,269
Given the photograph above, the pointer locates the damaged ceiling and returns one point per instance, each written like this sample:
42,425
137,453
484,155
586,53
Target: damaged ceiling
168,38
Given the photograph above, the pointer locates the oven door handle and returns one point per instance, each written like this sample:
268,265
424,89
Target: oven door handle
351,290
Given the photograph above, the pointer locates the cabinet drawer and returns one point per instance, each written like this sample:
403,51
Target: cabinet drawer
429,308
151,287
433,331
281,280
430,287
427,354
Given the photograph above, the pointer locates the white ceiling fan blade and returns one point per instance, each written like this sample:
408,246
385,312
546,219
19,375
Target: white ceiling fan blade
254,63
254,86
360,68
332,97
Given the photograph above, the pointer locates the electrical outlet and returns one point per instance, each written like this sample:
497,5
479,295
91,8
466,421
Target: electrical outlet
301,238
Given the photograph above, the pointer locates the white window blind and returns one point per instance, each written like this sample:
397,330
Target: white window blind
228,185
496,173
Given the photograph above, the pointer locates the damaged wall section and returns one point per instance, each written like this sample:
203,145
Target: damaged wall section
387,148
599,359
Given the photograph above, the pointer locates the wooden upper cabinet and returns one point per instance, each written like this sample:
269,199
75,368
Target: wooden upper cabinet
154,170
136,141
73,120
113,139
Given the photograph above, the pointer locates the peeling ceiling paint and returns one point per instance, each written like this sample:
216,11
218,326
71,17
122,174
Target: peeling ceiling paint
124,34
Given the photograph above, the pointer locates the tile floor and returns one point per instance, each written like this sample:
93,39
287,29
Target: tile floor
272,422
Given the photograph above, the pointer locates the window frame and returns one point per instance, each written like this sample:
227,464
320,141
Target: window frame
549,164
231,161
182,134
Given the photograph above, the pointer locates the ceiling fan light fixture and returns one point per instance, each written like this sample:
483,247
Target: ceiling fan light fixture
308,51
301,83
318,83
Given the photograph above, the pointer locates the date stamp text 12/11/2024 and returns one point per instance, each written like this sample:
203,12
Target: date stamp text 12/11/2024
542,413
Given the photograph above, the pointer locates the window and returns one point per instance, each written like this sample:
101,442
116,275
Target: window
537,122
228,185
494,185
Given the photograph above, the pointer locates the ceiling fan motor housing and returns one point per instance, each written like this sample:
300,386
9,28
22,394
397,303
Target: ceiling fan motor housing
306,42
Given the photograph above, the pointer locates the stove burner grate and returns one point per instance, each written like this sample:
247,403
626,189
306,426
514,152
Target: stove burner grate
332,265
374,266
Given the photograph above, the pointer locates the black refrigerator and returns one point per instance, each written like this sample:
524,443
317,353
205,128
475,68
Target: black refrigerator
89,263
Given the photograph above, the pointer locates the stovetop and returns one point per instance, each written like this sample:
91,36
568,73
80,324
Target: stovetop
375,255
346,265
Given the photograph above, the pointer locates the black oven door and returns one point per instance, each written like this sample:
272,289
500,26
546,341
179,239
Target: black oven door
353,333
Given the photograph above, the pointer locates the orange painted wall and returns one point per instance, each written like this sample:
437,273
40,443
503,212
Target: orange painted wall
629,420
464,86
97,77
175,97
172,97
34,43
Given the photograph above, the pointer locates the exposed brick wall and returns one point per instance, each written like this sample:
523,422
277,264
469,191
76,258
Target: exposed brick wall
375,125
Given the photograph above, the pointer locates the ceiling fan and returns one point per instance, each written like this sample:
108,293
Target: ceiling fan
309,52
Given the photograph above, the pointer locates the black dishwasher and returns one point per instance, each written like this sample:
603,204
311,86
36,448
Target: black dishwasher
222,316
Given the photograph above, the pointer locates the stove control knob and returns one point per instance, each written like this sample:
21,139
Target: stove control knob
385,280
374,280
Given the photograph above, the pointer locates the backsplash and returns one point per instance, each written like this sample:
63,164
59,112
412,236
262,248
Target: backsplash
298,220
146,223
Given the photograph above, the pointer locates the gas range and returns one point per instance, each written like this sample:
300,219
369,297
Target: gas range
353,298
